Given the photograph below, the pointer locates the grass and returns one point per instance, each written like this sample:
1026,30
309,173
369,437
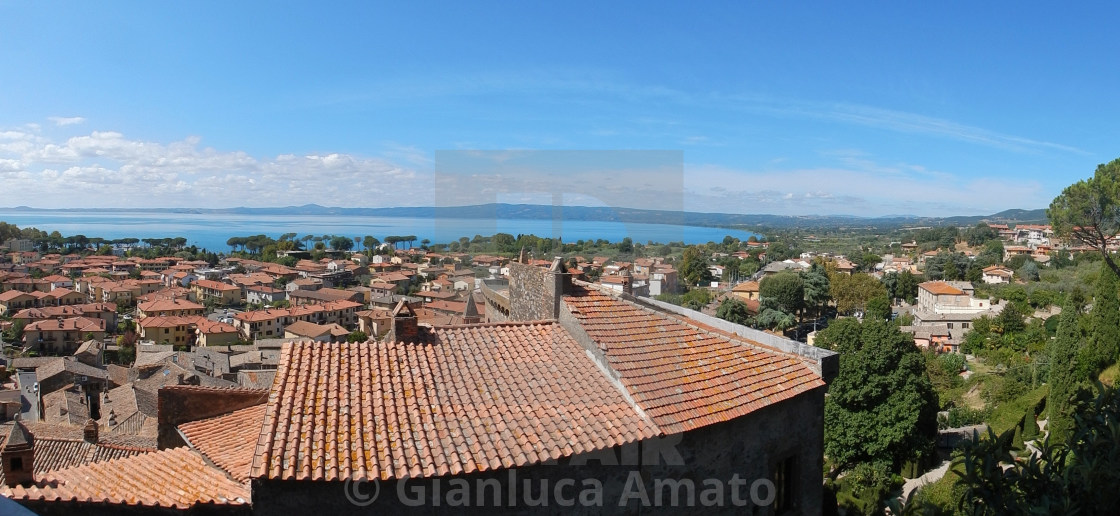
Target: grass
1007,415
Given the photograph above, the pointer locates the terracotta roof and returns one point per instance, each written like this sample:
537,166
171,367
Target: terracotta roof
306,329
746,286
216,285
169,304
941,288
684,375
71,324
228,440
61,446
178,478
469,398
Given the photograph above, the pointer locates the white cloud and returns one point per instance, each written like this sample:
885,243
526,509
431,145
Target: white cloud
856,186
66,120
108,169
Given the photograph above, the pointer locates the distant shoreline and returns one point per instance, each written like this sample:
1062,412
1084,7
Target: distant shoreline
583,213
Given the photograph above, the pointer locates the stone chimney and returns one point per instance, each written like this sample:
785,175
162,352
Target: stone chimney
627,281
405,326
89,432
18,456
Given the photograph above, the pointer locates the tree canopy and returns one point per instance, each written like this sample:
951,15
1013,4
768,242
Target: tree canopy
1089,210
881,408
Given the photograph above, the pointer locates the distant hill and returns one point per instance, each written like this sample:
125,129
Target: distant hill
604,214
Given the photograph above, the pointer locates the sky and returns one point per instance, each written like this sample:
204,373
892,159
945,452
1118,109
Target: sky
793,108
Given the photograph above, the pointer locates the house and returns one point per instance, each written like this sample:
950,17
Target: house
303,330
172,329
13,301
323,295
215,333
997,274
167,307
951,302
264,295
663,280
747,291
216,292
104,311
62,336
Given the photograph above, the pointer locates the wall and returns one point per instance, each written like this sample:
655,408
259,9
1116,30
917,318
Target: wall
534,292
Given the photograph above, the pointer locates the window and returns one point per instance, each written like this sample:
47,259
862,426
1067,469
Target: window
964,325
785,473
949,325
16,464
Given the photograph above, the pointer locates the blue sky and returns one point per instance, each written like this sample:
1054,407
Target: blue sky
788,108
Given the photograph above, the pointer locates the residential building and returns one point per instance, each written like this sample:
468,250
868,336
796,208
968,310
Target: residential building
997,274
62,336
169,307
216,292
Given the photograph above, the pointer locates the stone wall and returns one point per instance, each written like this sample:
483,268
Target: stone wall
534,292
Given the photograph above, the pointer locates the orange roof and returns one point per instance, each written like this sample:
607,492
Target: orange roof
940,288
485,396
208,327
746,286
684,376
71,324
178,478
228,440
160,305
216,285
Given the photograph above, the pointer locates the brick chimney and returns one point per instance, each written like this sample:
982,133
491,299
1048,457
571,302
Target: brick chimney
89,432
18,456
405,326
627,281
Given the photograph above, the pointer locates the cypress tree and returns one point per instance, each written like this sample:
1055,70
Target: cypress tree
1104,327
1064,373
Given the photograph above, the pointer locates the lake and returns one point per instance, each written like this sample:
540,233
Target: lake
211,230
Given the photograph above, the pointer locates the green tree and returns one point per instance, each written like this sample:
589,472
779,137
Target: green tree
881,408
357,336
1088,211
694,267
733,310
1062,352
817,286
852,293
1078,478
1104,334
784,291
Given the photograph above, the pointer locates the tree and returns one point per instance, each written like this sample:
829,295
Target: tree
694,267
1104,334
852,293
357,336
881,408
1089,211
733,310
1075,478
784,291
817,286
1063,351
